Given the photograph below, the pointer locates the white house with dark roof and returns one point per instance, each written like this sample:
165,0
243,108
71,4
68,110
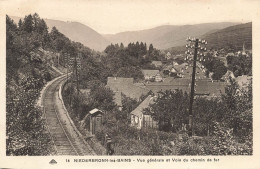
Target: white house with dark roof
152,75
157,63
149,74
139,119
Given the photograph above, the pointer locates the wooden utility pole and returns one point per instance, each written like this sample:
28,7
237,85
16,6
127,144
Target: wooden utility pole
196,48
76,69
70,65
67,65
191,131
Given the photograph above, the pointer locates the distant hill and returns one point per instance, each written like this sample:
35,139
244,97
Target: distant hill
233,36
230,37
77,32
162,37
167,36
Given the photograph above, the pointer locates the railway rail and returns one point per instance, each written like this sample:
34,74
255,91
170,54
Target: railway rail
66,141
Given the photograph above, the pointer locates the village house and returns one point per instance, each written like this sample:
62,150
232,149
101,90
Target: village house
157,64
203,87
168,55
126,86
243,81
169,70
185,71
178,56
141,120
229,74
169,84
174,63
158,77
151,75
209,88
181,67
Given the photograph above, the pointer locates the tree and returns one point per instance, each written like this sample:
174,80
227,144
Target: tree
129,72
218,69
170,110
238,103
28,24
36,21
110,50
150,48
59,42
206,112
20,24
11,28
121,46
102,98
128,105
240,65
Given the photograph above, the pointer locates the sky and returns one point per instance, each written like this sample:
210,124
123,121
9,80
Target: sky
113,16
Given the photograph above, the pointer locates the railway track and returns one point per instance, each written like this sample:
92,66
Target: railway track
64,137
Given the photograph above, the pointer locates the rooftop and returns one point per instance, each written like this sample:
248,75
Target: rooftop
138,111
150,72
203,86
94,111
126,86
157,63
119,80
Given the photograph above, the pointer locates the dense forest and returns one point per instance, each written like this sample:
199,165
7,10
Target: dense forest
31,52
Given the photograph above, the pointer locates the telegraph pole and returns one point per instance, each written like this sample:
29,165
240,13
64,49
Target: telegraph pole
196,47
75,68
71,65
192,89
67,64
77,65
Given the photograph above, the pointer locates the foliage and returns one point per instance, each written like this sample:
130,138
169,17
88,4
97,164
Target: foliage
80,104
128,105
25,76
216,66
93,70
222,142
26,134
128,61
170,110
205,113
131,141
240,65
128,72
238,104
28,60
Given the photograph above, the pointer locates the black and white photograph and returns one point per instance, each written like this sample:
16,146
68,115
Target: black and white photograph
129,78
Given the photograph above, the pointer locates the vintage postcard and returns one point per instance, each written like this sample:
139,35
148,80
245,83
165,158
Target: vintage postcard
135,83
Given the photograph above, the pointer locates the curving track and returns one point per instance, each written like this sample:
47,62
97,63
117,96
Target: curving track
65,138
